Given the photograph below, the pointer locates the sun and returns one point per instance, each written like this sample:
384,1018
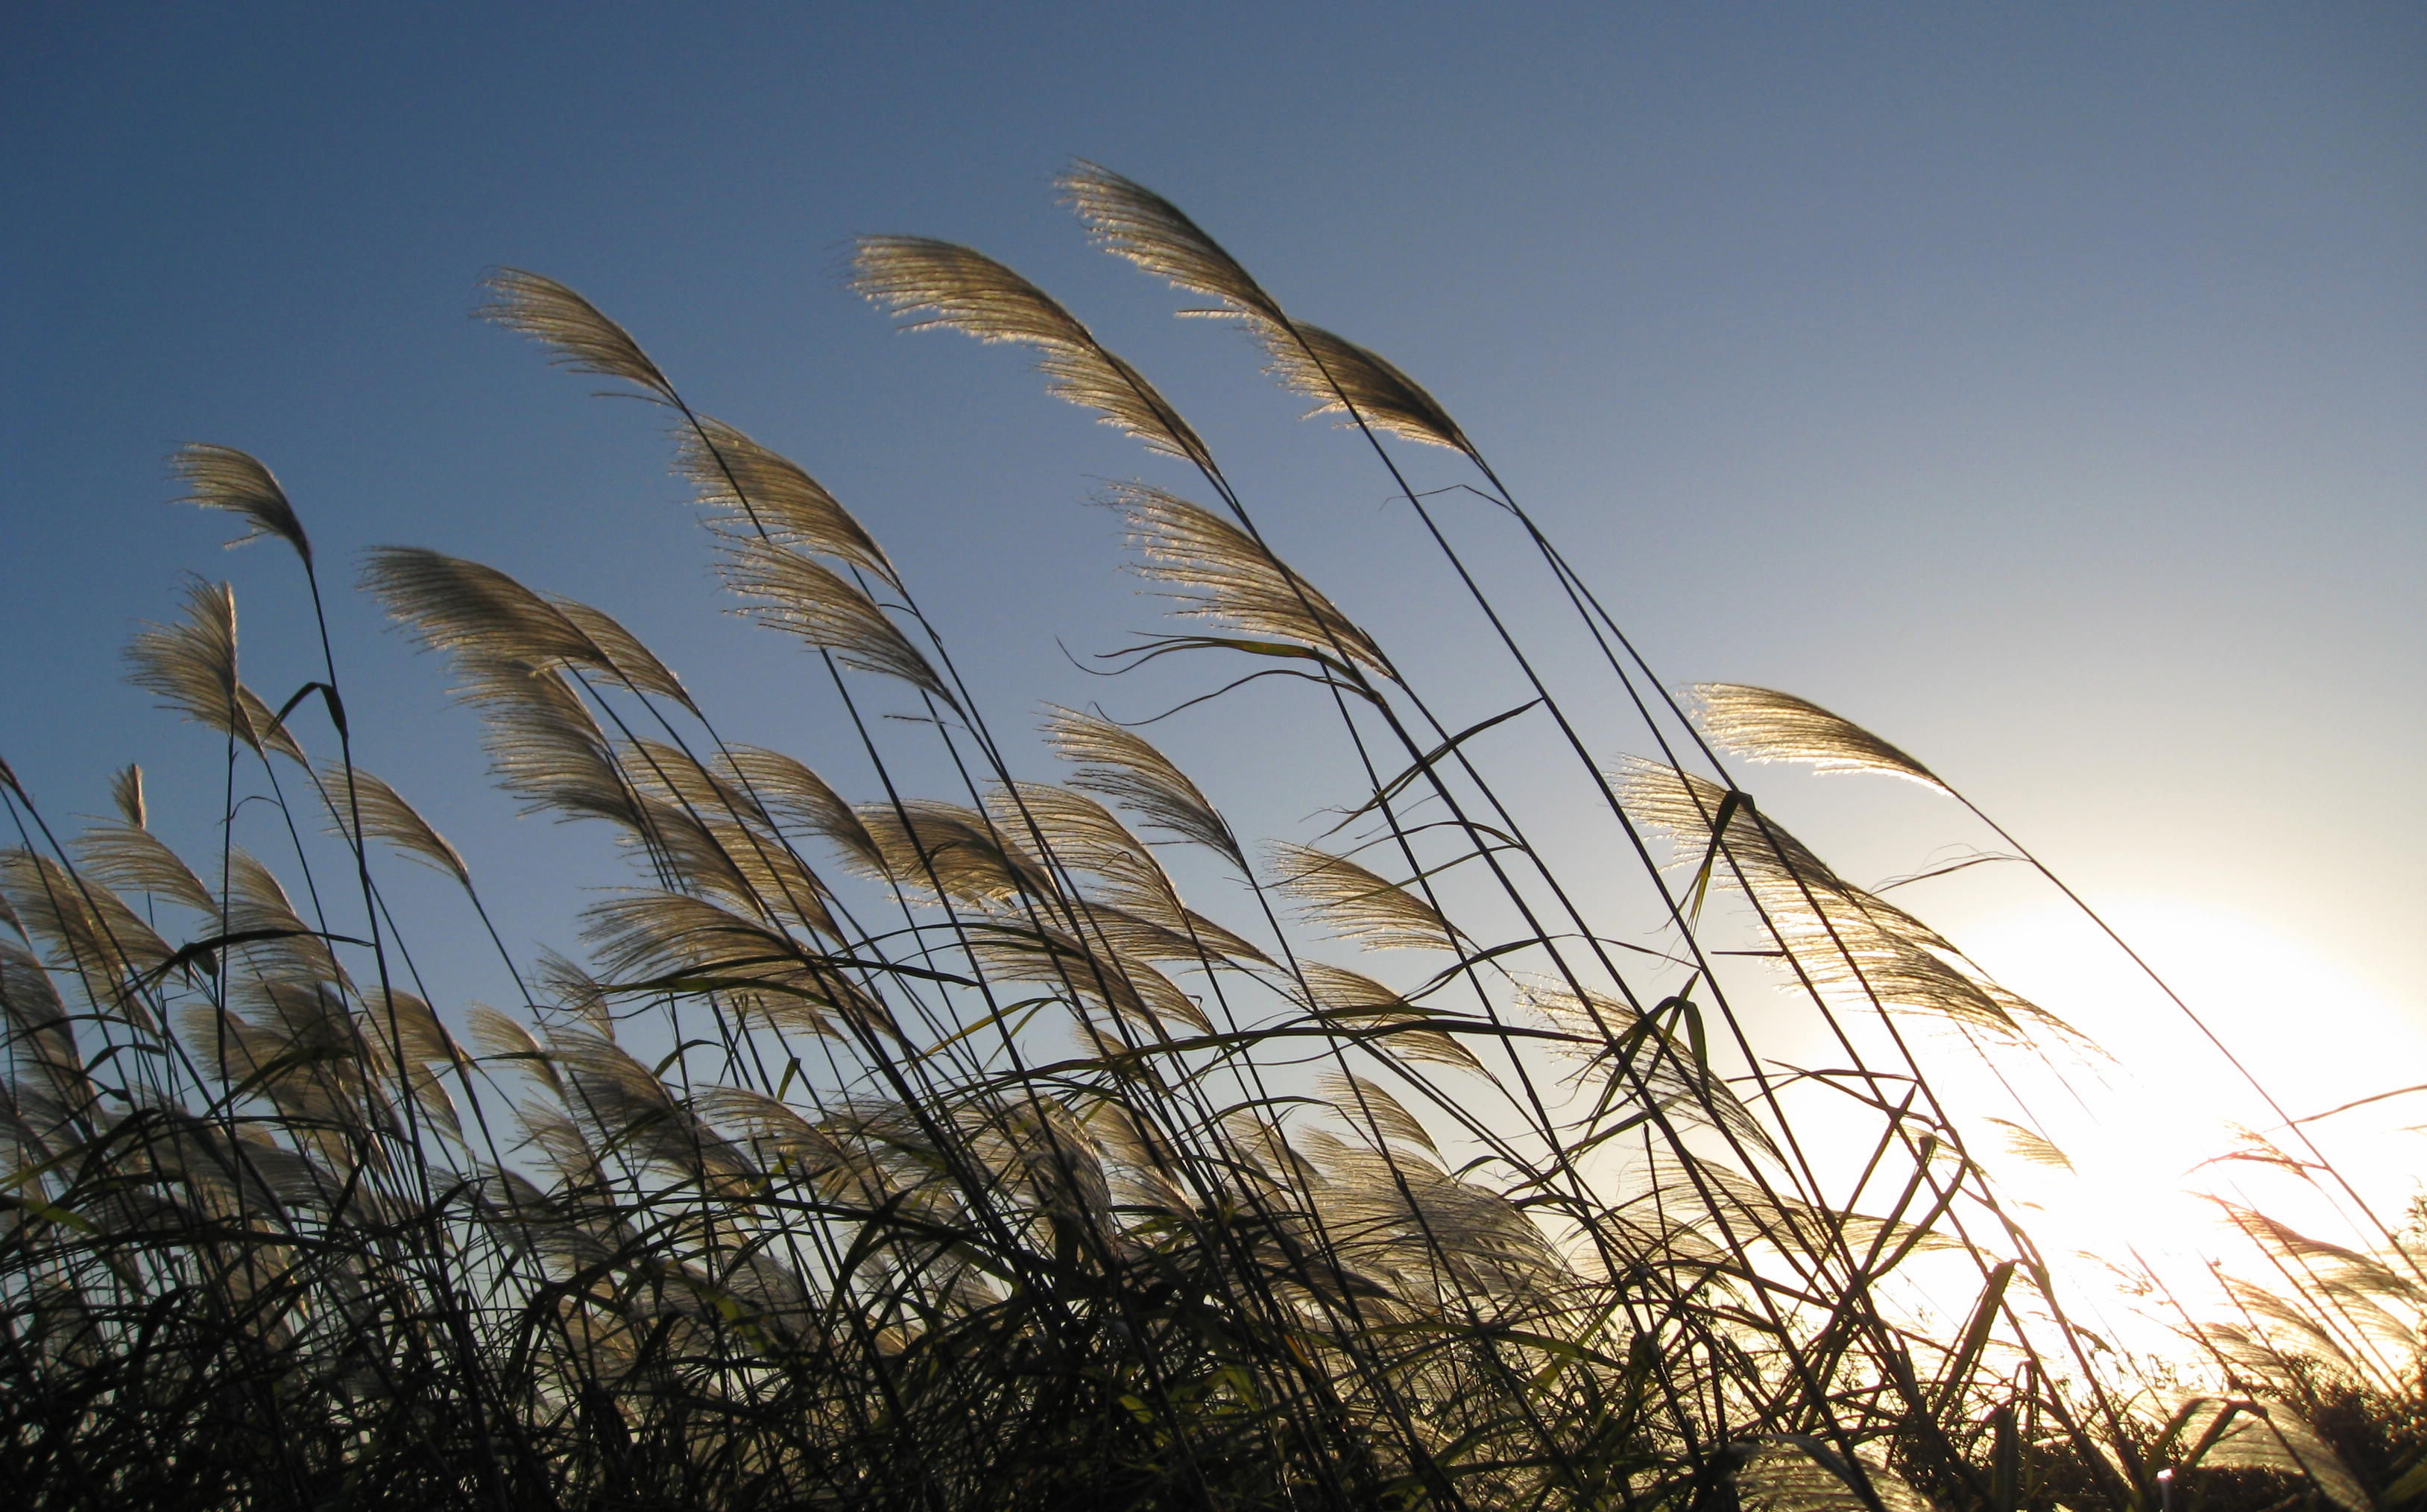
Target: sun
2128,1177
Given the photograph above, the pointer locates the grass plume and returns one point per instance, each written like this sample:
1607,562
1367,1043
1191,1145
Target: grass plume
1031,1137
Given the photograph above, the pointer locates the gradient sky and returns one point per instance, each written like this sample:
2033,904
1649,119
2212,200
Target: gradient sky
2043,386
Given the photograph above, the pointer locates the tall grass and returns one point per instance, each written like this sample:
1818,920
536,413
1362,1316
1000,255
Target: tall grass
927,1147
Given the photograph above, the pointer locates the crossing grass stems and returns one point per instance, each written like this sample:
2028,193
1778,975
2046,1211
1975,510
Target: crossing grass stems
931,1149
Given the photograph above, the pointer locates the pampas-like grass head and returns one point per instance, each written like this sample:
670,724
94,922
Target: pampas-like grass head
192,666
575,333
1764,725
1225,573
1132,222
980,1170
950,287
222,477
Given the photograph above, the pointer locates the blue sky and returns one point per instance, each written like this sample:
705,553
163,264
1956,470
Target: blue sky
2039,385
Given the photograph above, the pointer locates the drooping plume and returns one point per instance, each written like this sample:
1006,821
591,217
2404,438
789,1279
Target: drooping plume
1789,1478
1133,222
955,288
1355,903
1365,1103
1343,377
222,477
466,606
1124,766
792,592
1853,948
1225,573
1762,724
1132,902
1382,1019
131,859
739,478
543,744
387,816
2271,1436
792,795
929,844
572,329
1128,219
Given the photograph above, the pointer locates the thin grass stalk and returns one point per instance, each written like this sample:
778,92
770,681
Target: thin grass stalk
1271,313
994,758
894,796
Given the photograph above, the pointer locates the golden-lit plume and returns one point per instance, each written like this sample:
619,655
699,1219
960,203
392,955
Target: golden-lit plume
2032,1148
1124,766
1381,1020
928,844
1129,221
1133,222
126,793
87,928
1366,1104
718,840
500,1039
222,477
577,335
953,288
1856,948
464,607
1762,724
129,859
301,1048
1085,835
1435,1237
791,794
1093,972
791,592
1645,1070
748,483
1343,377
190,666
621,653
1808,1478
42,1036
410,1044
1133,900
544,745
454,605
286,948
386,817
693,945
1355,903
621,1104
2247,1435
1224,574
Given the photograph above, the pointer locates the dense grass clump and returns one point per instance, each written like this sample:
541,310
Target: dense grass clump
932,1150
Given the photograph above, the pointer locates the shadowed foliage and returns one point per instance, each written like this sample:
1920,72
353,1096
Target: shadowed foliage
1037,1143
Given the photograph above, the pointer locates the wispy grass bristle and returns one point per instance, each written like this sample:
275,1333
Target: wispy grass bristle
222,477
912,1136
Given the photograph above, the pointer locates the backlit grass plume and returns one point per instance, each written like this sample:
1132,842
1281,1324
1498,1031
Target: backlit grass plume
993,1122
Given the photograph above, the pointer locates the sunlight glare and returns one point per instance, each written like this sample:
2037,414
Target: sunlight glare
2146,1180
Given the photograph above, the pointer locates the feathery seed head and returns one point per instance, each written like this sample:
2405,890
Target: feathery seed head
222,477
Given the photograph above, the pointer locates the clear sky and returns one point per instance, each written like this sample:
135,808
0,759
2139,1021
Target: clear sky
2043,385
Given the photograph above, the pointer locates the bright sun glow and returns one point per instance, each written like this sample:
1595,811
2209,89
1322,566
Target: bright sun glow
2146,1183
